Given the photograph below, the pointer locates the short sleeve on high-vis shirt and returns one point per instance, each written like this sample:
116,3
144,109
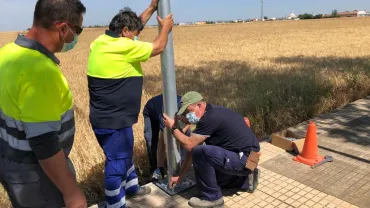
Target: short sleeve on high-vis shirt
40,114
140,52
39,105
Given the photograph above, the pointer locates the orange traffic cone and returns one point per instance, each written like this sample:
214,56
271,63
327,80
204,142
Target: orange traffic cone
247,121
310,153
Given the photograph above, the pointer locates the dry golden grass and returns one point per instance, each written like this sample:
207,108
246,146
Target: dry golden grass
276,73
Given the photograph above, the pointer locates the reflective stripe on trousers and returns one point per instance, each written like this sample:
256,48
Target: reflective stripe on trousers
119,173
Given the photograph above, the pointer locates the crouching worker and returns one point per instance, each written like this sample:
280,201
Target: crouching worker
221,163
154,135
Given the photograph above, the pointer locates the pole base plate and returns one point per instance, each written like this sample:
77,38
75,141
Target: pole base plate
185,184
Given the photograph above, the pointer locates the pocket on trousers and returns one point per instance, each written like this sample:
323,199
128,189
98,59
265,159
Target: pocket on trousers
116,167
227,164
25,187
234,166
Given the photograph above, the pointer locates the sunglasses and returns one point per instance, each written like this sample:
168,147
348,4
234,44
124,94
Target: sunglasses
77,28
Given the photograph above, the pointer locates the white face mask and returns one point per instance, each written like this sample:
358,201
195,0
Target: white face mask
70,46
192,118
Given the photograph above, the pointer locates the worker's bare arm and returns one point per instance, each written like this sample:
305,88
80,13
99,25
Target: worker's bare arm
184,168
57,170
147,14
189,142
160,43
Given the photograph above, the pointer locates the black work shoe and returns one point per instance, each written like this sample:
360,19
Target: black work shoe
253,179
143,191
199,203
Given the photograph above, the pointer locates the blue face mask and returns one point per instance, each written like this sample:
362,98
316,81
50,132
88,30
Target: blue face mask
192,118
70,46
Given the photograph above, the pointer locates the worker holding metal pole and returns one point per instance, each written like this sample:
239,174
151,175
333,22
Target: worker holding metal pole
115,82
169,93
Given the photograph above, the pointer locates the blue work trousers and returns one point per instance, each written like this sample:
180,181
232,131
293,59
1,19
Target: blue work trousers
120,176
216,168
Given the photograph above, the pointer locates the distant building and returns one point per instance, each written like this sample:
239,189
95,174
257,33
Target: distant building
348,14
200,23
363,14
354,13
238,20
292,16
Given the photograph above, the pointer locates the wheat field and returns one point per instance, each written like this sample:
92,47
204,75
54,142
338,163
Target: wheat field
276,73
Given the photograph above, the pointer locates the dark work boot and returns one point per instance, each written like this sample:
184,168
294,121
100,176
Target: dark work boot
199,203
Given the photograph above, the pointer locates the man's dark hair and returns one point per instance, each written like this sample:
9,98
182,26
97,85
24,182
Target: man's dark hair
47,12
126,18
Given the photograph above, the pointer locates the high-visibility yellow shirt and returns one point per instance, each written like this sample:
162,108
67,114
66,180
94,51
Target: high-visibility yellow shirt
36,108
115,80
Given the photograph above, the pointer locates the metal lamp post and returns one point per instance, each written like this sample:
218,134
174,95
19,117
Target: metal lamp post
170,107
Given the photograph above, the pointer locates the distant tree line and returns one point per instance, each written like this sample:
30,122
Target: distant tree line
334,14
96,26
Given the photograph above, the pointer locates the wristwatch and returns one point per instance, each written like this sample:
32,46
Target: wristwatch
174,127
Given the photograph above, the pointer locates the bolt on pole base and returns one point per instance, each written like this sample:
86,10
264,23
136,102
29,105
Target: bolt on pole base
185,184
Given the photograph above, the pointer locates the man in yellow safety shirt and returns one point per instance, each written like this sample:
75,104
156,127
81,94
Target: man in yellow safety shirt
115,82
36,111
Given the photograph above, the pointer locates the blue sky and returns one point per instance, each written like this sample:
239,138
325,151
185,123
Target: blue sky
18,14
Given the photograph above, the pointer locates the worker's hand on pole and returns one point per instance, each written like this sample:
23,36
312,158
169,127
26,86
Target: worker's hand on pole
76,199
168,122
166,23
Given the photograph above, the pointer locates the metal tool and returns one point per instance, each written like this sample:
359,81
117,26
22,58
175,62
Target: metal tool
328,158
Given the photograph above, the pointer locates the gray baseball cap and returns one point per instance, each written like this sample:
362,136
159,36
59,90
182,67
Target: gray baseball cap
188,99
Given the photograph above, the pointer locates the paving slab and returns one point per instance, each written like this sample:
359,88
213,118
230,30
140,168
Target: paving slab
342,179
274,190
351,123
345,135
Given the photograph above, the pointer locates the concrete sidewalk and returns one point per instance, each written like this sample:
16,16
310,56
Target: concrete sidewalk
343,134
